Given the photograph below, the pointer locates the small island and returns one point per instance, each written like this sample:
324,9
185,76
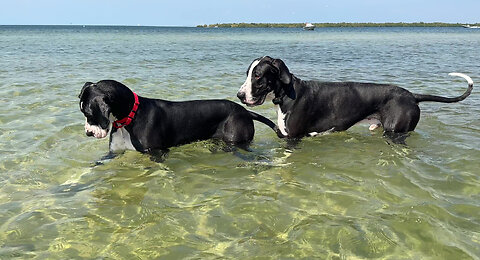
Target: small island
320,25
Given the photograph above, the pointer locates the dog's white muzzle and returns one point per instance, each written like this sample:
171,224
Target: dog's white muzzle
95,130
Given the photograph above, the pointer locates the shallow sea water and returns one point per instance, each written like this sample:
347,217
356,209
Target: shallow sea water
349,195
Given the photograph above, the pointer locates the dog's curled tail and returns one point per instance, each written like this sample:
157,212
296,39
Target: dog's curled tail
421,97
266,121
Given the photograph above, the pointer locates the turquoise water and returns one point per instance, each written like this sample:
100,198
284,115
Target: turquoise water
349,195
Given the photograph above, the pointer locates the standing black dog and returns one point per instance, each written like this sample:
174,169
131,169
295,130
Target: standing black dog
152,125
308,108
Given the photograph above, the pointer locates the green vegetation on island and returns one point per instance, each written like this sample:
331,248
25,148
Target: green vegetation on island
320,25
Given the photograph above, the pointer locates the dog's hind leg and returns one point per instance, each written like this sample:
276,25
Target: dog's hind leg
244,146
399,117
397,138
238,129
157,155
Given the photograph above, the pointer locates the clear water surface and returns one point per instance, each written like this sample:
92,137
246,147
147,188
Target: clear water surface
349,195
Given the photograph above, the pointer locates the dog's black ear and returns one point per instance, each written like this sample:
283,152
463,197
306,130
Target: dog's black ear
283,72
285,77
105,109
86,85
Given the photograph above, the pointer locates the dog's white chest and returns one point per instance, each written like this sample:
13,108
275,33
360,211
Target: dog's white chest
281,121
120,141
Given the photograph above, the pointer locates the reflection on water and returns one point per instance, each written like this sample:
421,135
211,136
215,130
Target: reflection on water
339,196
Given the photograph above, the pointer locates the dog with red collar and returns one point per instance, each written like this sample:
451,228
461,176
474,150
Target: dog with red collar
150,125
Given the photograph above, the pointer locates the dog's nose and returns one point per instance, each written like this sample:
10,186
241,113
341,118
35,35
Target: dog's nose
241,95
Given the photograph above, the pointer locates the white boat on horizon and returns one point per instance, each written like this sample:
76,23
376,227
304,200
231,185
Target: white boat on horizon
309,27
471,26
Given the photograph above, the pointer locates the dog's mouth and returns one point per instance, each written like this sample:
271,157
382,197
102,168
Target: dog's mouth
255,101
95,130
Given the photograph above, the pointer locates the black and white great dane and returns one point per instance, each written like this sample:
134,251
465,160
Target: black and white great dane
153,125
308,108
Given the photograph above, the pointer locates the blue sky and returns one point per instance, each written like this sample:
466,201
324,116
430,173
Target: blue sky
191,13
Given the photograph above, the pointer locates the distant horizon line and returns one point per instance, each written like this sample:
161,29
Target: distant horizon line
340,24
266,24
124,25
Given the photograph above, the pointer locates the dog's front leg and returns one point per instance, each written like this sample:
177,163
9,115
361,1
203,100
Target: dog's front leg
109,156
292,143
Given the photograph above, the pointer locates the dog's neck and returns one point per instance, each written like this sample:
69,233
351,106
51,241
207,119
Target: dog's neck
122,102
285,92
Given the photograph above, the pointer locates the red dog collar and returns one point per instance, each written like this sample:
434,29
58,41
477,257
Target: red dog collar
127,120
